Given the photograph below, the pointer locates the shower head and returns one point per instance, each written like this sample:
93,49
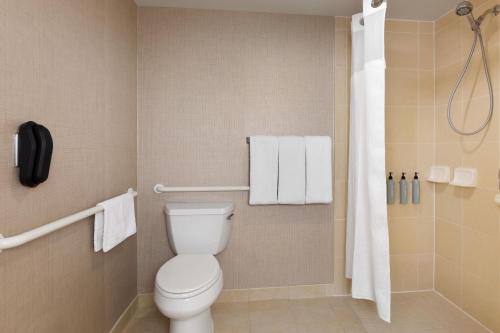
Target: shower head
464,8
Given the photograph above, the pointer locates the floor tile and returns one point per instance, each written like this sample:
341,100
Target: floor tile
423,312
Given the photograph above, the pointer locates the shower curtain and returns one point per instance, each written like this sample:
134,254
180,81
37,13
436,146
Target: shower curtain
367,244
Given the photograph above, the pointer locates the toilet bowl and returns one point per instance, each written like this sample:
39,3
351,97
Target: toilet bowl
186,286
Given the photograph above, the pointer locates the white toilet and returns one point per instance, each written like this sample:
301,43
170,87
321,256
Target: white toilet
187,285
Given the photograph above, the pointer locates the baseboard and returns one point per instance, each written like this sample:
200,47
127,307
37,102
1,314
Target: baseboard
273,293
413,291
463,311
290,292
145,301
126,316
259,294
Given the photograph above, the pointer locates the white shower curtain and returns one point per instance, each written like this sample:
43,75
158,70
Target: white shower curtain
367,244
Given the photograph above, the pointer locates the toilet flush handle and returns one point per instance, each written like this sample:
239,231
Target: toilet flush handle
229,217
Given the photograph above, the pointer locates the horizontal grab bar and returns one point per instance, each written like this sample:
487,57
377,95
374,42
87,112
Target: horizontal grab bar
159,188
28,236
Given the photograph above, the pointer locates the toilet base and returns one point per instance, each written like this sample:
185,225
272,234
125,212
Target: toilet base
201,323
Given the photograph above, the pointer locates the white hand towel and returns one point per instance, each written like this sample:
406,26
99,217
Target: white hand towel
263,170
318,169
116,223
98,231
292,170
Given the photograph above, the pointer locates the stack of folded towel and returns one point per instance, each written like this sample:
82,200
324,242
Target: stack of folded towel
290,170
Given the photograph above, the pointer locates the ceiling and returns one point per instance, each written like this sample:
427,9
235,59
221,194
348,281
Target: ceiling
428,10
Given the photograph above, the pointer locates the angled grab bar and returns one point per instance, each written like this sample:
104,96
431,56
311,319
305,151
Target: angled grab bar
28,236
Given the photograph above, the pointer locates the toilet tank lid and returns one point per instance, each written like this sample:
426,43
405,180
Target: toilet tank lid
198,208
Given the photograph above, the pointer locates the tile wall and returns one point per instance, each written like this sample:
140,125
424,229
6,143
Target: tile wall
467,220
71,66
207,80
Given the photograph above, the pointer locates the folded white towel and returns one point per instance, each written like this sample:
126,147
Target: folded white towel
263,170
116,223
292,170
318,169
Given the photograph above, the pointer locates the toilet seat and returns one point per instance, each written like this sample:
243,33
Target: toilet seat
187,275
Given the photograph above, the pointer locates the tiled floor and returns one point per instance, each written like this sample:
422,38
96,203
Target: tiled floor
424,312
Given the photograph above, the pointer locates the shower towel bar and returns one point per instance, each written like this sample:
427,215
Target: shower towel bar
28,236
159,188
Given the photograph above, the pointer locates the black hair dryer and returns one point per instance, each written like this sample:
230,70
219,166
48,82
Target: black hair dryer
34,153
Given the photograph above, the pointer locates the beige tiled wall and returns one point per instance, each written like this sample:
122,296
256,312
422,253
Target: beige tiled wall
207,80
467,220
70,65
409,147
409,138
201,92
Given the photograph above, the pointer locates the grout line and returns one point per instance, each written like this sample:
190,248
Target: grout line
335,143
413,291
418,254
392,19
419,138
463,311
434,134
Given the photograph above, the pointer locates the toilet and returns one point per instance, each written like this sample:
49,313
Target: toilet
187,285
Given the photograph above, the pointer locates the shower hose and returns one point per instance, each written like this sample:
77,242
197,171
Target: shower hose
477,35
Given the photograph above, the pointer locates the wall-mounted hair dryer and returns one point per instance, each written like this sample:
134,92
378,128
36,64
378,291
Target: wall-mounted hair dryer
33,153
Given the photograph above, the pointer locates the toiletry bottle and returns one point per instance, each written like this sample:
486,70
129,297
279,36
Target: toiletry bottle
415,189
390,189
403,190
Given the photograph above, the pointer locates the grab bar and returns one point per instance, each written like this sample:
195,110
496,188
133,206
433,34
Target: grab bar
28,236
159,188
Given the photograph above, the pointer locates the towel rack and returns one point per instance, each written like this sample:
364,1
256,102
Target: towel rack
159,188
28,236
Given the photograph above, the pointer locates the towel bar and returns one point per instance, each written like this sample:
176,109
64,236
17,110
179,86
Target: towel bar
159,188
28,236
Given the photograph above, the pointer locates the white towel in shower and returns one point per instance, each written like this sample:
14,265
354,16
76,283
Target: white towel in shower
116,223
318,169
292,170
263,170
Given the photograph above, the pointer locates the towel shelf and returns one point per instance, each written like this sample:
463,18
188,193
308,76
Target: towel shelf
28,236
159,188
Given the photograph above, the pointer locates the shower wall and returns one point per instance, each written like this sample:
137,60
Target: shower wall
409,137
409,147
467,220
70,65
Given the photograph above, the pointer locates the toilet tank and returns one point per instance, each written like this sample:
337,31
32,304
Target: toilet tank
198,228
